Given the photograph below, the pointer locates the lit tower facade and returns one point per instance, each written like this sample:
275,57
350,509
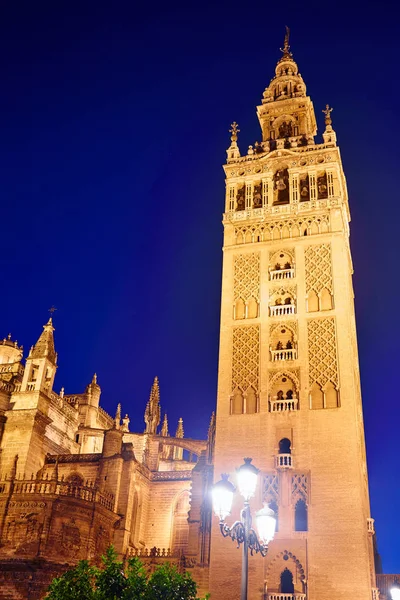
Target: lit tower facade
289,386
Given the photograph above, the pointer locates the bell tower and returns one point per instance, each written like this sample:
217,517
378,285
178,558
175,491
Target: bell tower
289,387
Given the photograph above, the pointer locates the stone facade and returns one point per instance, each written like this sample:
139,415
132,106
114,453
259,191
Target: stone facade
73,479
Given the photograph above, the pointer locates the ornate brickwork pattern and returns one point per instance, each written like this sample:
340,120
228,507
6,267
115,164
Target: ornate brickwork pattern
293,374
246,358
300,487
318,268
322,355
275,253
246,276
284,325
282,290
282,229
271,488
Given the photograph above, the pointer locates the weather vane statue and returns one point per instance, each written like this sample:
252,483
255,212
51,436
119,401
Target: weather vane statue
286,48
327,112
234,131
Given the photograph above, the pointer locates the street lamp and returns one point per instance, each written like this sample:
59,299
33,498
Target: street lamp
242,531
395,593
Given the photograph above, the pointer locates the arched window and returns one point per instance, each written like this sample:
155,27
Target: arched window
251,401
285,446
300,516
252,308
331,399
240,309
180,525
287,586
317,396
326,300
237,402
313,302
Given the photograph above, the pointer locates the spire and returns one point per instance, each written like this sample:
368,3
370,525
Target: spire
117,419
164,428
44,347
152,413
179,430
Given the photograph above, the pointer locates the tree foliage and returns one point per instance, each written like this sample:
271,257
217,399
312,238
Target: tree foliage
114,582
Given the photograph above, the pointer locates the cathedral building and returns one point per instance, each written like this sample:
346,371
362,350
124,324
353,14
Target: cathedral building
73,479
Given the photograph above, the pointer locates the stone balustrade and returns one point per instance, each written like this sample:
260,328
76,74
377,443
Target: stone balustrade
43,487
284,461
278,310
279,274
284,354
283,404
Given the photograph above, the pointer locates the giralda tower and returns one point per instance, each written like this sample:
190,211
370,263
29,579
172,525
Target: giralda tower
289,386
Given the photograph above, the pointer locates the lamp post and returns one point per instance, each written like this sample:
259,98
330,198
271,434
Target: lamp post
395,593
242,531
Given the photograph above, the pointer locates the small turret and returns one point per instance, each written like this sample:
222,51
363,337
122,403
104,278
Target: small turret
44,347
10,352
93,392
233,151
152,413
41,363
178,452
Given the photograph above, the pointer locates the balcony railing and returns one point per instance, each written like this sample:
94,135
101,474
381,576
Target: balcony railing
284,461
283,405
294,596
284,354
282,309
278,274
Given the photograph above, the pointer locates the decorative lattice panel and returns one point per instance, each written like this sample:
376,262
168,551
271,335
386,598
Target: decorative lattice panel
318,268
299,487
271,488
246,358
322,355
246,276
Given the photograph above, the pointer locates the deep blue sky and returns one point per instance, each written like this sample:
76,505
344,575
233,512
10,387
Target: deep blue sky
114,122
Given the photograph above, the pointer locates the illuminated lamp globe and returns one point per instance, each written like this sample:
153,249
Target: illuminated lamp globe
222,497
266,524
247,476
395,593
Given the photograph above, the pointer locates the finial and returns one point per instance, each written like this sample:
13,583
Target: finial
117,419
94,379
62,391
327,113
164,427
286,48
234,131
9,336
179,430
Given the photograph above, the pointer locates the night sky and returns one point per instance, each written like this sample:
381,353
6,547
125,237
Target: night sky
114,122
